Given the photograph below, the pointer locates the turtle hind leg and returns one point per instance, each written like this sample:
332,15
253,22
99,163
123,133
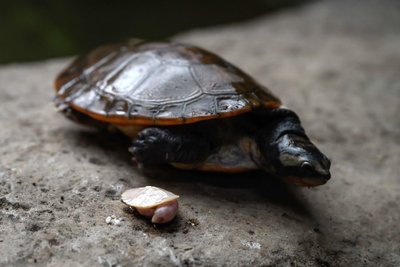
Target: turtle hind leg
160,145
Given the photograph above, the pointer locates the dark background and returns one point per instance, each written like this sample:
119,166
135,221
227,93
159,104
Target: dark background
34,30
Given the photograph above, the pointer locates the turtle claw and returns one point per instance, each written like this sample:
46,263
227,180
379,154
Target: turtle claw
150,147
159,145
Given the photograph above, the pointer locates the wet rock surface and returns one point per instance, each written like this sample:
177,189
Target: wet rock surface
336,63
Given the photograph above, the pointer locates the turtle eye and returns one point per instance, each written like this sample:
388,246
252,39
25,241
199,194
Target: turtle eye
306,166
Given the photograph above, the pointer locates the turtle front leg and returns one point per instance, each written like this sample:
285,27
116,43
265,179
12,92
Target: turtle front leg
160,145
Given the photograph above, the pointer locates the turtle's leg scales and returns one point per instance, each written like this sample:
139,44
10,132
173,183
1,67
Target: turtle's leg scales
160,145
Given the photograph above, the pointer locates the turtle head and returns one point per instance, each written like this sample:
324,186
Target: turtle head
287,152
298,161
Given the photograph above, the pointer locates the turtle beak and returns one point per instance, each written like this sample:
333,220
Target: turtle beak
324,178
307,181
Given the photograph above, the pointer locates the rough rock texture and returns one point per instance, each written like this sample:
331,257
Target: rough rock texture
336,63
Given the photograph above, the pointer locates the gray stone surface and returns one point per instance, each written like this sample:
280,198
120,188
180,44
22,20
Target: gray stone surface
336,63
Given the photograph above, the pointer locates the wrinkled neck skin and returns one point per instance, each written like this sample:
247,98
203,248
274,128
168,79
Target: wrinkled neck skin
279,123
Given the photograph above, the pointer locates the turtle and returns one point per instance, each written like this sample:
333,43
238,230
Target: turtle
188,107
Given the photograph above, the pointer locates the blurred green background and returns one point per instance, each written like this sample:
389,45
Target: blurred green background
39,29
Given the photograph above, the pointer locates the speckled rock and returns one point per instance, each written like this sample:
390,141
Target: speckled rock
336,63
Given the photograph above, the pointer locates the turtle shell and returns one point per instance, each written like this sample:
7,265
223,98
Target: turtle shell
158,83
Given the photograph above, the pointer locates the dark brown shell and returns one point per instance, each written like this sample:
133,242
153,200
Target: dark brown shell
144,83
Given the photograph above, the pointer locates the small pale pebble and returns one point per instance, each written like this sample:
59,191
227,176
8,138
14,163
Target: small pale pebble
251,244
113,220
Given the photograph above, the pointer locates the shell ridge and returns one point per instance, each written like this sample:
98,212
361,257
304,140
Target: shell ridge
194,77
99,63
216,111
118,69
78,93
145,78
71,95
183,111
130,110
68,85
112,104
